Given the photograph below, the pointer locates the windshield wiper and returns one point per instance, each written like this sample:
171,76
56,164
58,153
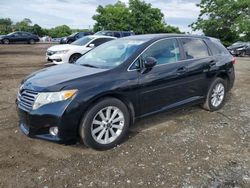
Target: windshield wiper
88,65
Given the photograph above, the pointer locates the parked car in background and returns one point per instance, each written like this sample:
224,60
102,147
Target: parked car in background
237,45
117,34
244,50
73,37
69,53
99,97
19,37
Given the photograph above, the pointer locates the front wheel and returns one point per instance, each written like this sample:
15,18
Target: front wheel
74,57
216,95
6,41
105,124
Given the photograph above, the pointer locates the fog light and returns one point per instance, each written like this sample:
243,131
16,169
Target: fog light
53,131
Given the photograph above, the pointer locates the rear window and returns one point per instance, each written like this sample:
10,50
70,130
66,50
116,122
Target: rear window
216,47
194,48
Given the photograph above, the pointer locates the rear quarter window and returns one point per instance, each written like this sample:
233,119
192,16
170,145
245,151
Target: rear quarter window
217,48
194,48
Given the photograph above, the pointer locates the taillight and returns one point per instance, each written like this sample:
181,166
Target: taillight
233,60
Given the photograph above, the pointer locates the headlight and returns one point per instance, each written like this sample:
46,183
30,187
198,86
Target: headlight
61,52
51,97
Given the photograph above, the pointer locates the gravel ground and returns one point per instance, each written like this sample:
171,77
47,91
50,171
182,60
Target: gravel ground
188,147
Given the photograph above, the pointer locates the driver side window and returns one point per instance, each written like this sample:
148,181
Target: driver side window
164,51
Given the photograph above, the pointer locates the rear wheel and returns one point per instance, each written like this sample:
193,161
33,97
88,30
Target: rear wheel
6,41
31,41
216,95
105,124
74,57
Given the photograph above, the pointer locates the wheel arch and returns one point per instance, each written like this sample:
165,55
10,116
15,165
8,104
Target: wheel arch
74,53
225,77
120,97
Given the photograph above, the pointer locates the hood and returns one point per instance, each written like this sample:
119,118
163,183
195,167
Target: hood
66,47
57,75
60,47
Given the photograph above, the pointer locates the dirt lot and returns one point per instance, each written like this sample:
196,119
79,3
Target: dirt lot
189,147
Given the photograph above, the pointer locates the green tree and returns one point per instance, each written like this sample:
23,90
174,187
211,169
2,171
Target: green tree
38,30
226,20
59,31
112,17
23,25
139,17
5,25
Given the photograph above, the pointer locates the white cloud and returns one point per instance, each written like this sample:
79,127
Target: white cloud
78,13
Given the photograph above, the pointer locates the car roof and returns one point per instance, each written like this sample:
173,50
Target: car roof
115,31
100,36
162,35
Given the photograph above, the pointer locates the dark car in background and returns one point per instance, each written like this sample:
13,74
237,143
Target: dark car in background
244,50
117,34
19,37
100,96
73,37
235,48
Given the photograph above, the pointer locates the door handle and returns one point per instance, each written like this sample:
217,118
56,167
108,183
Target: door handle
181,70
212,63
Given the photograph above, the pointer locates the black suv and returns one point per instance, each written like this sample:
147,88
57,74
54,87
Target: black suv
19,37
107,89
117,34
73,37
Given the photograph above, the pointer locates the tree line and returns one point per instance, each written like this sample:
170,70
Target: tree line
228,20
7,26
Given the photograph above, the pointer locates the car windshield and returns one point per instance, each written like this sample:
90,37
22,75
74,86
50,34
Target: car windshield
110,54
237,43
73,34
82,41
11,33
100,33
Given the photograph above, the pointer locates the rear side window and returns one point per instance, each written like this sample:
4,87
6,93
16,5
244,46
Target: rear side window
194,48
117,34
164,51
217,48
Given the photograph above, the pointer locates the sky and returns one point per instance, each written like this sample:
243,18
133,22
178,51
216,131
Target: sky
78,13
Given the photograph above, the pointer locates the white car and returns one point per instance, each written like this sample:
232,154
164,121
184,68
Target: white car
69,53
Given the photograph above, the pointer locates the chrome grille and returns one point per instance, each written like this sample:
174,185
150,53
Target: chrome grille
26,99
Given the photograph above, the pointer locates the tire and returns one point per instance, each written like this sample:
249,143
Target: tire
93,132
243,54
6,41
69,41
74,57
216,92
31,41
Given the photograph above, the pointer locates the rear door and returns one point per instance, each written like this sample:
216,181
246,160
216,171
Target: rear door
24,37
199,61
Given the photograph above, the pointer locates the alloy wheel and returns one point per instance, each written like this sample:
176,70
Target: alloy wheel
107,125
218,94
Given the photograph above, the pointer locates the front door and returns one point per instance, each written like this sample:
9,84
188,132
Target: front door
163,85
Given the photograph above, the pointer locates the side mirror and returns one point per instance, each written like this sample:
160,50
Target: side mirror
150,62
91,45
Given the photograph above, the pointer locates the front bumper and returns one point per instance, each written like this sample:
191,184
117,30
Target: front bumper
57,58
36,123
